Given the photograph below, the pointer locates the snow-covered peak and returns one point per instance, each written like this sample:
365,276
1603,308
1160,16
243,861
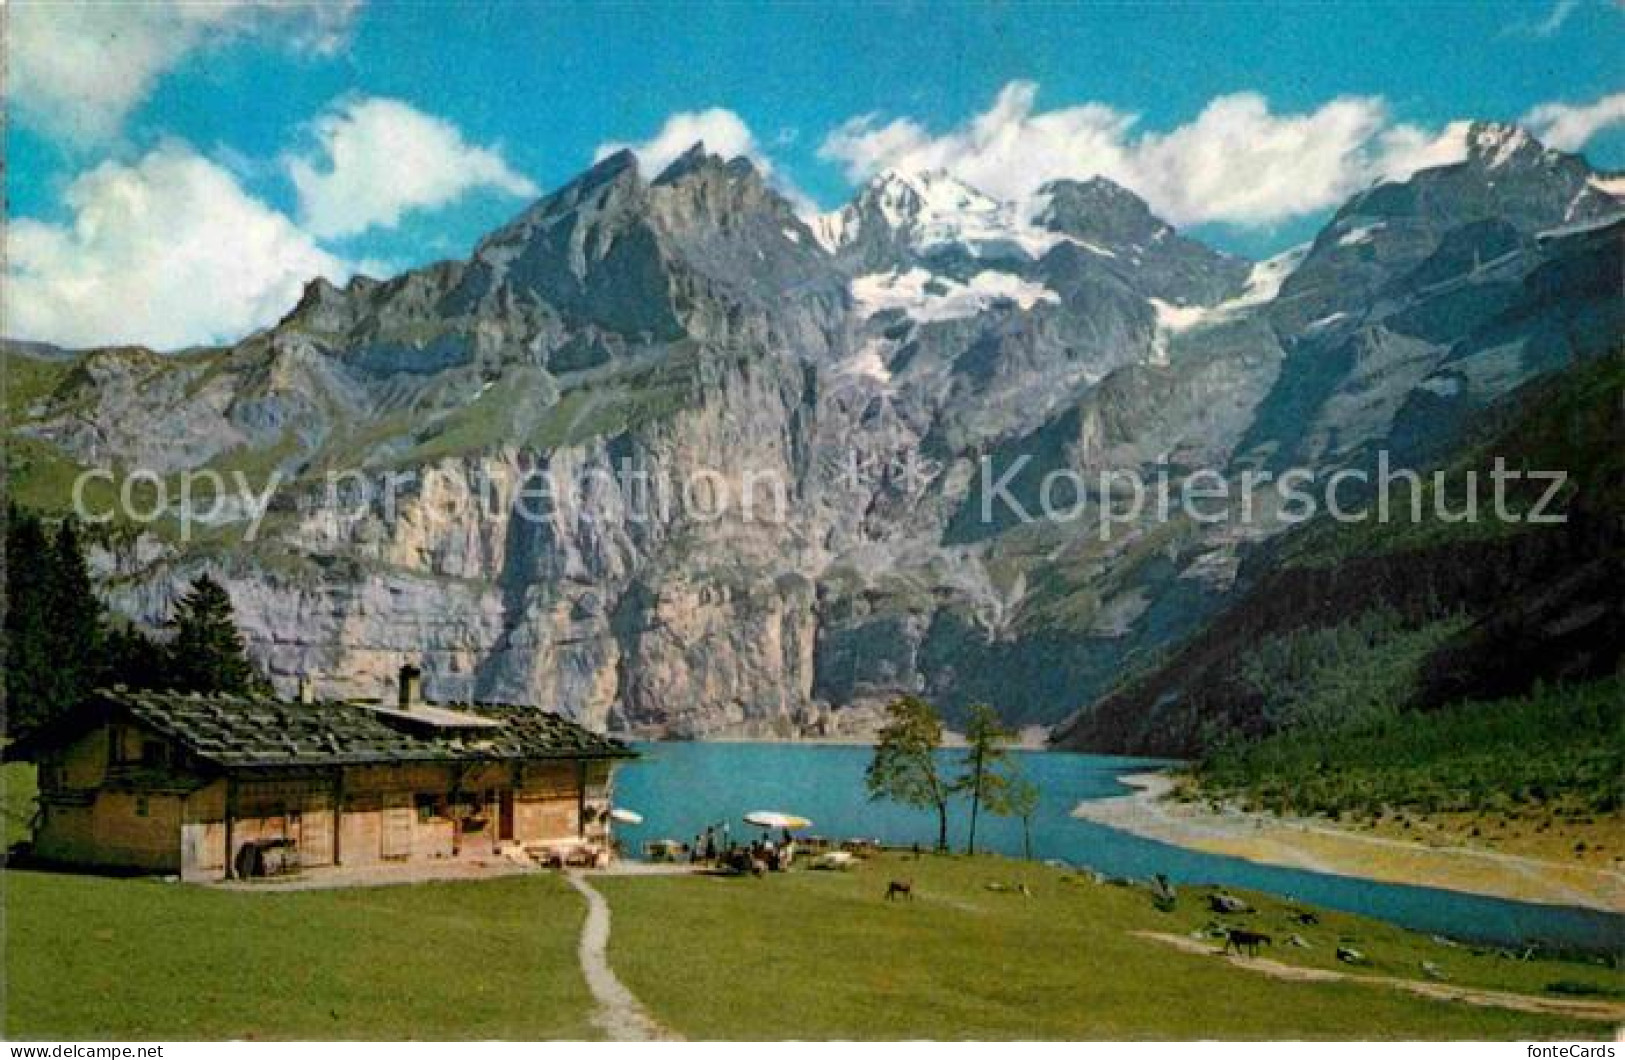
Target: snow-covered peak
1497,143
926,199
931,210
1495,137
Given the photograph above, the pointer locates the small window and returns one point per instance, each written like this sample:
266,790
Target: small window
428,807
154,753
141,806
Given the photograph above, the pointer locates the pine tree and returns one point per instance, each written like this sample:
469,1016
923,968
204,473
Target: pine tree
132,659
59,646
207,654
31,674
75,619
904,768
53,622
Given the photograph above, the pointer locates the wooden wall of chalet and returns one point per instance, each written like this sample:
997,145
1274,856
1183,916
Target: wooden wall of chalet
391,812
117,830
384,821
84,824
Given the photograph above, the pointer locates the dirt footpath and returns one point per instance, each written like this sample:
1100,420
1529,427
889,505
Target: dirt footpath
1610,1011
620,1015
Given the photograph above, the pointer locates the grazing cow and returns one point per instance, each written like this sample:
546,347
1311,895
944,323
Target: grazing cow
1240,940
900,889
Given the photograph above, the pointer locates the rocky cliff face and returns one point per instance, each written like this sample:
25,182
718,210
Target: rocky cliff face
529,470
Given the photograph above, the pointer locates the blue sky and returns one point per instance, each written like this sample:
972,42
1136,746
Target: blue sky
521,97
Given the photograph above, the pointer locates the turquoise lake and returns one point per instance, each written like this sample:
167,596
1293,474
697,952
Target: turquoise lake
680,788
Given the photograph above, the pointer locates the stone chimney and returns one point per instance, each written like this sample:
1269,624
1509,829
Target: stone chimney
411,686
307,691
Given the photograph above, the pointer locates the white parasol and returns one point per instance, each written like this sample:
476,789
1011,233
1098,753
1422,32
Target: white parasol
775,819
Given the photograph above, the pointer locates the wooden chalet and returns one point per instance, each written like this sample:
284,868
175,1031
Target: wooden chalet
212,787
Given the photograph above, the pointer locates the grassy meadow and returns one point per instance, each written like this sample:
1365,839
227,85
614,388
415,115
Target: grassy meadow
95,958
822,955
804,955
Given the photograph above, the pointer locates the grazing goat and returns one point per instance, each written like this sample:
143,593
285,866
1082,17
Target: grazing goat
900,889
1241,941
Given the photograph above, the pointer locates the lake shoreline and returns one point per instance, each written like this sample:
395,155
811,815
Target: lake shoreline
1317,846
1033,738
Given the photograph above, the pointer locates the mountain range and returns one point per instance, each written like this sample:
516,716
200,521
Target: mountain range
885,365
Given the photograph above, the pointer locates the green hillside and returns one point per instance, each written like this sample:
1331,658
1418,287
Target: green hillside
1348,624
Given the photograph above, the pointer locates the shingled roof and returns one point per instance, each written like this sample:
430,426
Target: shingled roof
249,732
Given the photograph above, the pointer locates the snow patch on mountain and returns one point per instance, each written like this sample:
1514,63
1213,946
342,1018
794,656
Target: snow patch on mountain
1263,284
929,298
1178,317
1611,185
1265,281
1498,142
835,229
1358,235
1325,321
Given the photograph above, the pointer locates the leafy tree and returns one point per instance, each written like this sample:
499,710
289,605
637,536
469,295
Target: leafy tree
1016,796
985,739
904,768
207,654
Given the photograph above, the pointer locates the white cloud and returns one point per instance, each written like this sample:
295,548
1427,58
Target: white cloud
863,146
1406,149
77,69
1567,126
723,132
1237,162
167,252
375,159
